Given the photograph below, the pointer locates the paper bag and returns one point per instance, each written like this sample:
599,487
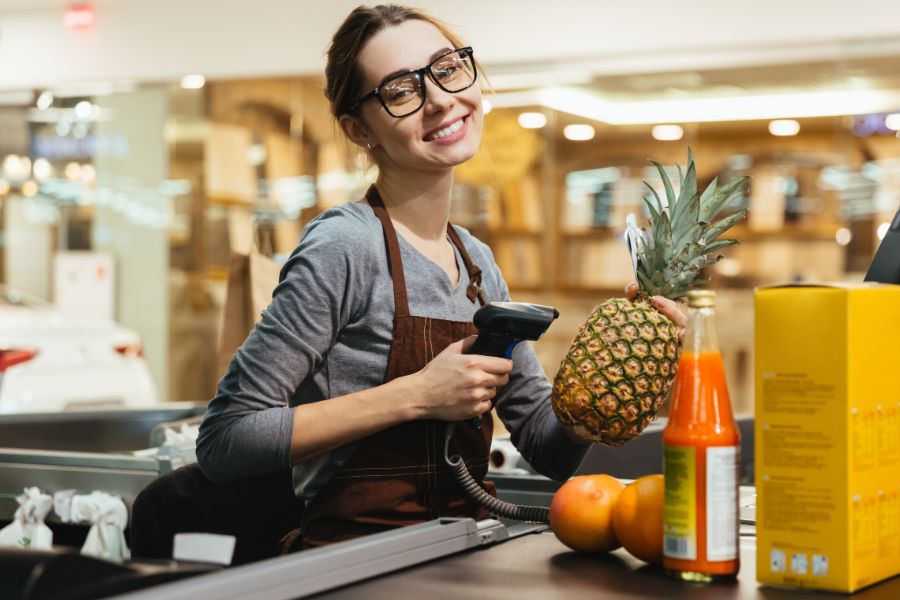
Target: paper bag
28,529
251,279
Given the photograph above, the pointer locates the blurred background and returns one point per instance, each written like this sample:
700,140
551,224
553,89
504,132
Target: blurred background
144,141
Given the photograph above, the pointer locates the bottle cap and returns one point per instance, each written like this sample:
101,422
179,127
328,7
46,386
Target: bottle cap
701,298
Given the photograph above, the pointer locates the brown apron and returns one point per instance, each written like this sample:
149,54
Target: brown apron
398,476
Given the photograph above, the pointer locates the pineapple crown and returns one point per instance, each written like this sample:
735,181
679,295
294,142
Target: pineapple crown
683,239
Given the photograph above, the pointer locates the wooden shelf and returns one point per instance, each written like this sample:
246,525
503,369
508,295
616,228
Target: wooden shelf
793,233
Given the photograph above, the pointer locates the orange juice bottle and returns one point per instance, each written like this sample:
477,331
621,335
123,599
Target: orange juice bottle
702,458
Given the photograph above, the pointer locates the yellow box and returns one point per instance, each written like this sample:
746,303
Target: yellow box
827,435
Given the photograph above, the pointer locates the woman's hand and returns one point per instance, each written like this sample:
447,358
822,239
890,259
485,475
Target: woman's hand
669,308
455,386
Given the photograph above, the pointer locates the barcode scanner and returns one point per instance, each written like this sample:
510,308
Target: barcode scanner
503,325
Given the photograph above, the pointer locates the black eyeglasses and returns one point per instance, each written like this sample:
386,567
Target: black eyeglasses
402,95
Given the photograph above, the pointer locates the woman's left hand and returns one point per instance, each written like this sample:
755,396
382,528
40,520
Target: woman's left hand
669,308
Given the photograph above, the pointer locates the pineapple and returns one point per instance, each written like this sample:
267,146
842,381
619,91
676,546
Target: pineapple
622,362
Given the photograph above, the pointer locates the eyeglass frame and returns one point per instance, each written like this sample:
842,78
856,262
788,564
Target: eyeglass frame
420,73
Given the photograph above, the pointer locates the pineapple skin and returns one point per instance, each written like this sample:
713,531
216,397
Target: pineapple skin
618,372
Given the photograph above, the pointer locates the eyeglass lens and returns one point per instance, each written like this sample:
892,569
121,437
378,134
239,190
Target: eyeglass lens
405,93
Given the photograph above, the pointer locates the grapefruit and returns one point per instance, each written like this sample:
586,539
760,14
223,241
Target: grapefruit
581,513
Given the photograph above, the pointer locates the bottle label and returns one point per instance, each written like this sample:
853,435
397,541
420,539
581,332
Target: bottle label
722,502
680,514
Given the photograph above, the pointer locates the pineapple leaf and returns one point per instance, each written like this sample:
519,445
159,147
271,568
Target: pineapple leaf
720,198
655,195
716,245
654,214
687,227
644,280
685,195
707,194
670,192
681,239
720,226
664,238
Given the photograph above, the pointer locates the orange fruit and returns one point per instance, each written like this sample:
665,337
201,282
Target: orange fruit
581,513
638,518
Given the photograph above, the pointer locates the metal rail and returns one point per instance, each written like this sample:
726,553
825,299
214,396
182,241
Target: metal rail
322,569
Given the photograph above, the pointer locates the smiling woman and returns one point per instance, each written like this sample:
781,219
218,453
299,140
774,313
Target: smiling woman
360,360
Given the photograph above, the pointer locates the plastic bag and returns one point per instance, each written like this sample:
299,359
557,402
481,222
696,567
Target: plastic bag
28,529
108,517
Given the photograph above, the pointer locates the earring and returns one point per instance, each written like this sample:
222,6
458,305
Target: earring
368,146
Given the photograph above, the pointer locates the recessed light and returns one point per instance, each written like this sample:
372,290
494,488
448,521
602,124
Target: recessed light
532,120
667,133
784,127
892,121
579,132
193,82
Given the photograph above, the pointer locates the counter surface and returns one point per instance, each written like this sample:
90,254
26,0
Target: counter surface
538,566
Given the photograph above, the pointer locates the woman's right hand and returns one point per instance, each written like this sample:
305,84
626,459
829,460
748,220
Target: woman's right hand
455,386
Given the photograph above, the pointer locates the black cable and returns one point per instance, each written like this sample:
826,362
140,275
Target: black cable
533,514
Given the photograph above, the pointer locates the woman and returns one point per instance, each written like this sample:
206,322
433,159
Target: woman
359,362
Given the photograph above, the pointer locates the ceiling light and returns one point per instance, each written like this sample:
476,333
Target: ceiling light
45,100
16,167
88,173
72,171
193,82
79,131
83,110
42,169
667,133
843,236
29,188
784,127
486,106
532,120
256,154
579,132
892,121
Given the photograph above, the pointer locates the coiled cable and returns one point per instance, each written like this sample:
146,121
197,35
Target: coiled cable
533,514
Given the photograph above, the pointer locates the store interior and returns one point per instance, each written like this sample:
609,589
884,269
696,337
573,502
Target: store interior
148,147
168,178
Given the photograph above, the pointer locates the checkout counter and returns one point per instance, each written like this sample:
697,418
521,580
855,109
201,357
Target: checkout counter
447,558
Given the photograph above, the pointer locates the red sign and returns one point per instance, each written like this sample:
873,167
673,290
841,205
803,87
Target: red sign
79,16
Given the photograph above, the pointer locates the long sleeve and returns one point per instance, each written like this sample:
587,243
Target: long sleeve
247,427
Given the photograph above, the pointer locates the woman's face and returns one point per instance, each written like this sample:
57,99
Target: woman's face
411,141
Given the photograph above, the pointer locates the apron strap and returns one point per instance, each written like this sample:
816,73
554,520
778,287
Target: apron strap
474,290
401,302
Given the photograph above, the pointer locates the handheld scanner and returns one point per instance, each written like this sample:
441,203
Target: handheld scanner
502,325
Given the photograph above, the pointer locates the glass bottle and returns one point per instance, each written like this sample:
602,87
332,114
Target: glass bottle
702,458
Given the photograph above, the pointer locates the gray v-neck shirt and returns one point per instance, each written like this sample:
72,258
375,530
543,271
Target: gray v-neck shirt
327,333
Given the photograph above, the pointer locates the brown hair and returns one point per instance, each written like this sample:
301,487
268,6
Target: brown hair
342,75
